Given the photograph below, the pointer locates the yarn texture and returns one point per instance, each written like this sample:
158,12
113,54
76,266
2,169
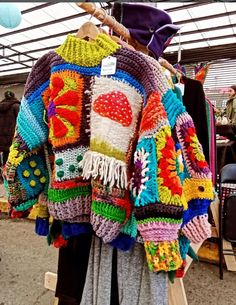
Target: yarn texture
98,153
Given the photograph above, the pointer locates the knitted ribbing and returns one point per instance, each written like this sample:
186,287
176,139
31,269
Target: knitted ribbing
84,53
70,208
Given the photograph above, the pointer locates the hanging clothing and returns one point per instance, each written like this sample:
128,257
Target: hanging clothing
116,153
88,125
194,100
135,283
231,110
72,269
212,139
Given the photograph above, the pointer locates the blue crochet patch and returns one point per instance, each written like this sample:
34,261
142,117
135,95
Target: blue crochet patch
38,92
184,244
30,124
123,242
42,226
173,106
32,175
75,229
144,181
130,228
196,207
96,71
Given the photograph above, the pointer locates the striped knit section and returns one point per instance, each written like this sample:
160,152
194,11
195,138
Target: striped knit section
71,208
57,195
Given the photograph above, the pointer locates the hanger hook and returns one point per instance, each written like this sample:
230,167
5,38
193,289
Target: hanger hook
93,14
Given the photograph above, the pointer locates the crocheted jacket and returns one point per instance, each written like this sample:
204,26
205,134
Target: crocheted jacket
97,151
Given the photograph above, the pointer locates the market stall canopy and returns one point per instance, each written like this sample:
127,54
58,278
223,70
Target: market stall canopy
44,26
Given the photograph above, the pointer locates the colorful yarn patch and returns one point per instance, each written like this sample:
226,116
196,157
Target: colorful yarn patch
191,147
153,114
119,118
143,183
170,189
198,188
109,211
67,163
32,175
115,106
60,195
63,102
163,256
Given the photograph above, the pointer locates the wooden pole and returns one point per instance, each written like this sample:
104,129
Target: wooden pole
106,19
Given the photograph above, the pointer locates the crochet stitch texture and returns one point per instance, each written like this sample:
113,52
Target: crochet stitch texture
103,150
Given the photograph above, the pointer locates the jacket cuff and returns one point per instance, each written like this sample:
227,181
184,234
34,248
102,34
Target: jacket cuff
163,256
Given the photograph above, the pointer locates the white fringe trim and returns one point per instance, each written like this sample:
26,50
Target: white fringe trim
112,171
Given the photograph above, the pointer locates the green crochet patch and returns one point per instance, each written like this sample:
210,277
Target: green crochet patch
63,195
109,211
160,219
26,205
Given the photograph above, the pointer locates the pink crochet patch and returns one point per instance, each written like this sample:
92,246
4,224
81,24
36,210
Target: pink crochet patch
115,106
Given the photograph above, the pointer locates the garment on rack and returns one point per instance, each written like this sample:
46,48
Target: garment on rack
83,139
75,143
195,102
212,139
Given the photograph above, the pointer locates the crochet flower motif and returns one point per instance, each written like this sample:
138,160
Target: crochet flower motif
139,176
62,114
115,106
167,165
194,148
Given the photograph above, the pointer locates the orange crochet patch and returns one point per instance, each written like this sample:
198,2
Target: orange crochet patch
168,167
153,113
63,101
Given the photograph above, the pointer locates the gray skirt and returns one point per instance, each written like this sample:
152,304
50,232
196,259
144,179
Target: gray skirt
136,284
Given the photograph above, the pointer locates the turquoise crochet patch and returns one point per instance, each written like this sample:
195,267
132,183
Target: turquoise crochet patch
144,189
130,228
30,123
173,106
32,175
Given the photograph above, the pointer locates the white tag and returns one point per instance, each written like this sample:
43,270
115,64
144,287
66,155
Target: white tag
181,87
108,65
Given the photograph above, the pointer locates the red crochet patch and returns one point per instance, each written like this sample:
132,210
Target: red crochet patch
115,106
152,113
168,168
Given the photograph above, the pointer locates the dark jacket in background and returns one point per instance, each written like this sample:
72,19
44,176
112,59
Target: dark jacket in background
9,109
195,103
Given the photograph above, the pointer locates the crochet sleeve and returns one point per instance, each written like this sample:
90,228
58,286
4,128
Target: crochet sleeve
196,175
25,170
156,188
197,184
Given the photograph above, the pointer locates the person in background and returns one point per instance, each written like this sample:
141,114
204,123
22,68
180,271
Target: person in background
9,108
231,105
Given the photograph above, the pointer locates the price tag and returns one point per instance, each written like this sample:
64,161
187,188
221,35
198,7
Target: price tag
181,87
109,65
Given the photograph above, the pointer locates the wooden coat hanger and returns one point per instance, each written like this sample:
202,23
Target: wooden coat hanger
88,31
